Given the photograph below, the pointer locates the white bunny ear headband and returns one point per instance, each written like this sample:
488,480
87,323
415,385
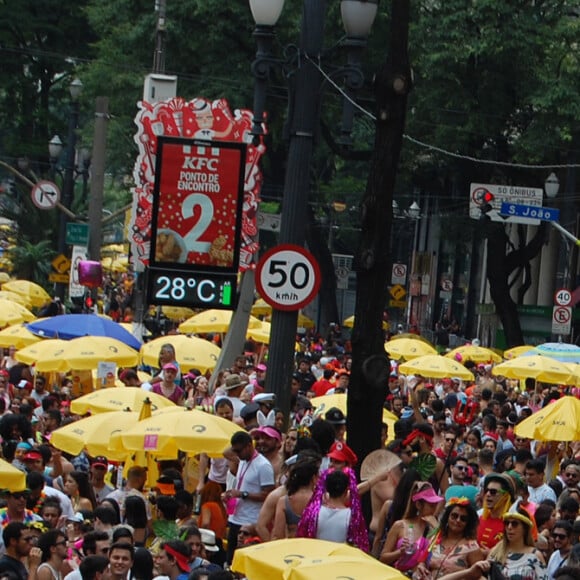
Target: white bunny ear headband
266,420
266,399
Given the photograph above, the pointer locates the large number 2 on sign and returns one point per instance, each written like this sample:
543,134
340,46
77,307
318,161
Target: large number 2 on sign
192,237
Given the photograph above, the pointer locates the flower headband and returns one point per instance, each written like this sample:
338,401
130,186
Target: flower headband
460,501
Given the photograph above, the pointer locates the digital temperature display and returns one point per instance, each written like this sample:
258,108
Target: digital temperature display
192,289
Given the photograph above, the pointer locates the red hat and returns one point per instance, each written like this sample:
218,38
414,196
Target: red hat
32,455
342,452
170,367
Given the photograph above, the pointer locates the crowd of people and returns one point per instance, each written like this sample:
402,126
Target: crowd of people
454,493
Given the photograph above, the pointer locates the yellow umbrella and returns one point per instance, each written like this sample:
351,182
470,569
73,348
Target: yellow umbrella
18,298
478,354
13,313
341,567
183,430
559,421
17,335
541,368
176,312
118,399
190,352
412,336
516,351
437,367
4,277
274,560
261,308
84,353
12,479
47,350
94,433
260,333
325,402
349,323
35,294
212,321
119,264
407,348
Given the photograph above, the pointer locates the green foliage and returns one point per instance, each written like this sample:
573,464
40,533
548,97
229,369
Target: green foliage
166,530
32,261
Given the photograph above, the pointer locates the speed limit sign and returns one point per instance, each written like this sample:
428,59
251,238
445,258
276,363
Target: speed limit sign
288,277
563,297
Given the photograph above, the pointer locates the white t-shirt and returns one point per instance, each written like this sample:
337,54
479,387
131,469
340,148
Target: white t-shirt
333,524
252,477
65,503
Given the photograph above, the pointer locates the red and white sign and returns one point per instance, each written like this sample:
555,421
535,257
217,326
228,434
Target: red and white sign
399,274
45,195
195,119
288,277
197,203
561,320
563,297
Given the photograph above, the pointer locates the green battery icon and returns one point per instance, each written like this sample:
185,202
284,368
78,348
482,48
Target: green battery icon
227,294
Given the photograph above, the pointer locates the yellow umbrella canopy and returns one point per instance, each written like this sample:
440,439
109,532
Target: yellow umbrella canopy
478,354
176,312
437,367
516,351
47,351
17,335
349,323
350,567
261,308
559,421
18,298
541,368
183,430
94,433
274,560
212,321
84,353
118,399
412,336
190,352
260,333
325,402
4,277
13,313
12,479
408,348
35,294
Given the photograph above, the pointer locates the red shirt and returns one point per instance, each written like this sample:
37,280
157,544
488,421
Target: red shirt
489,532
321,387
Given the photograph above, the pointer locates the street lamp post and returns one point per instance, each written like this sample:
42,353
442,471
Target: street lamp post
303,119
55,147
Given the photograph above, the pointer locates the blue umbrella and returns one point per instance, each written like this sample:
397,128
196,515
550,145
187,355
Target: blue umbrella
69,326
560,351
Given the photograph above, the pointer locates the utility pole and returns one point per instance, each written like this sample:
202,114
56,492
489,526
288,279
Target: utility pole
98,178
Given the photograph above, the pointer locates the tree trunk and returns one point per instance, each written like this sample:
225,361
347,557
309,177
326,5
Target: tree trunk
370,369
499,268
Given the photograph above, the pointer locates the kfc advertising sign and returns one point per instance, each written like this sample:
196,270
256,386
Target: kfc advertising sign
197,204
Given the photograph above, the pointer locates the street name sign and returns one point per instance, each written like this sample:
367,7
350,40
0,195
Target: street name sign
545,214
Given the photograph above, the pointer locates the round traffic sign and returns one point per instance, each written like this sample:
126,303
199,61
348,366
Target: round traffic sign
562,297
288,277
45,195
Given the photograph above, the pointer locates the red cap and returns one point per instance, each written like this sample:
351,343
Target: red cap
342,452
32,455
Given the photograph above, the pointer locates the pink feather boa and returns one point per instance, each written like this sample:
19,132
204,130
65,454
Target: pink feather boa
357,529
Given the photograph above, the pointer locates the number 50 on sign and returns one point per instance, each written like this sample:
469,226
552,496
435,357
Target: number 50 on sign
288,277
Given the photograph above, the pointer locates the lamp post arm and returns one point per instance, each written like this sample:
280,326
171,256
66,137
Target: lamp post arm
566,233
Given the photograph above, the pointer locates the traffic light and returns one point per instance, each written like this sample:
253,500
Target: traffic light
89,303
486,206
